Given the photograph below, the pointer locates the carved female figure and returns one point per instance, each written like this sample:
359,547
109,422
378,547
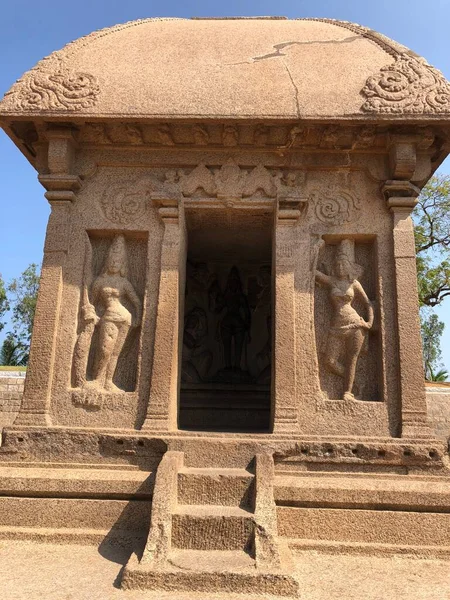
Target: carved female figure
348,329
107,295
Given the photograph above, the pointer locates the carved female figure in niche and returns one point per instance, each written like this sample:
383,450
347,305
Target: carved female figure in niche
348,329
235,324
106,298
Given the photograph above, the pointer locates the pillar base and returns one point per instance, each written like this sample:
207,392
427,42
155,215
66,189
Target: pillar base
34,419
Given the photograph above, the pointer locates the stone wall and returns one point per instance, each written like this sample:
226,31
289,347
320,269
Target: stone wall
12,382
11,390
438,402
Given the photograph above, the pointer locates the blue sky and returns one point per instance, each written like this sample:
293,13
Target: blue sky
32,29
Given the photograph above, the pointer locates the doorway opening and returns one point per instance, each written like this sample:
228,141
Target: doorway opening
227,338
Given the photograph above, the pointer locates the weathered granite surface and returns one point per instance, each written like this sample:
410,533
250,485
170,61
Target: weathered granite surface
226,368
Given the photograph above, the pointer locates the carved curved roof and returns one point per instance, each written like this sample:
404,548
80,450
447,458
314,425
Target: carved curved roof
262,68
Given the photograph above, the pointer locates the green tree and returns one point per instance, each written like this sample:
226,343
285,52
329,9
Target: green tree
432,237
431,329
21,294
441,375
4,305
12,352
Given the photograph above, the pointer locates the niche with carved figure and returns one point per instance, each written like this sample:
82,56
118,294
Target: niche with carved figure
227,339
105,358
345,325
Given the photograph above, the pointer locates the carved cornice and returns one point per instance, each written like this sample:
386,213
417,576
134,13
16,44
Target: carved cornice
276,138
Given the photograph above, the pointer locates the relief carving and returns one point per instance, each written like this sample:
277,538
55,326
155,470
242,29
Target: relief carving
165,135
336,206
196,357
365,138
230,136
410,85
227,328
200,178
260,179
234,325
125,205
104,311
261,135
232,181
201,135
122,206
50,90
348,329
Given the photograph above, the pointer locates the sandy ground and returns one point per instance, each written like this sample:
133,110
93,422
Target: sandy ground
30,570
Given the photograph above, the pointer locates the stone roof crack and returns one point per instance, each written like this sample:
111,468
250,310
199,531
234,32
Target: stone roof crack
295,89
277,48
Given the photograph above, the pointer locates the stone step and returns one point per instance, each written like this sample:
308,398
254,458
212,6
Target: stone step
75,513
210,572
75,482
227,487
396,527
410,493
210,527
299,546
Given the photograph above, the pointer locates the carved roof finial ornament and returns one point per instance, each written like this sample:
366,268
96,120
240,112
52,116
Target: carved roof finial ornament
410,85
63,89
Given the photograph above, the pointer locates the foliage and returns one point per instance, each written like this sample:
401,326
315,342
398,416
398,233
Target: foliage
4,305
432,237
12,352
21,297
441,375
431,329
23,292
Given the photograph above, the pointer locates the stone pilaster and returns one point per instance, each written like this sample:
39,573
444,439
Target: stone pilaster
60,185
164,392
284,388
412,388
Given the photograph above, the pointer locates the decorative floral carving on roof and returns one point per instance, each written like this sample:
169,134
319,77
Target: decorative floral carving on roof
45,89
410,85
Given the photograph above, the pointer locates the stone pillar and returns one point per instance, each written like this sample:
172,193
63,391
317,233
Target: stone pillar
412,387
284,399
60,185
164,393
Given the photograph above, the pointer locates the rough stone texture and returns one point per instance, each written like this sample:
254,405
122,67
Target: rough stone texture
99,74
11,392
438,404
34,570
225,381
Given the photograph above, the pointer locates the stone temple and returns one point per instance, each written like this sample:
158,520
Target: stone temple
226,369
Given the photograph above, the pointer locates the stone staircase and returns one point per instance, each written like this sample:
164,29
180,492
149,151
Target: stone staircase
213,530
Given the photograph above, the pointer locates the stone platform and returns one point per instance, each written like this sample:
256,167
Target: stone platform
31,570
